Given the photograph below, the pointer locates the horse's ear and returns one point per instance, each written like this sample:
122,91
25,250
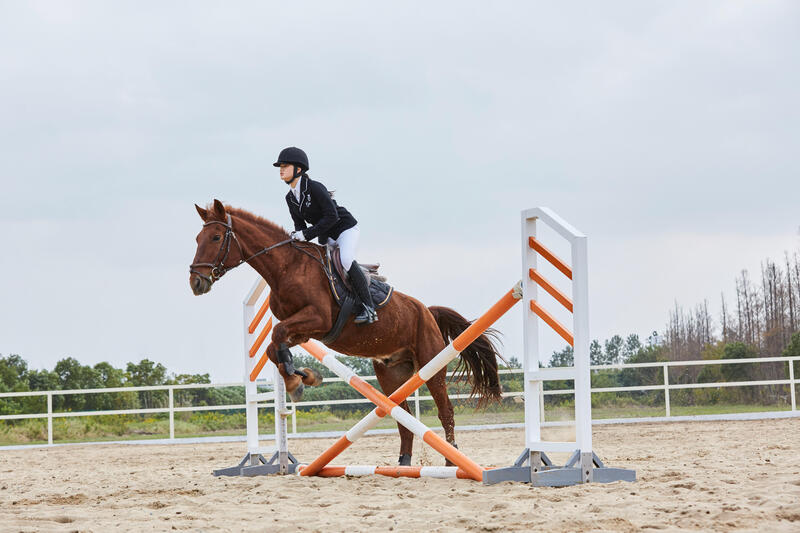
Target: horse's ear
219,210
202,212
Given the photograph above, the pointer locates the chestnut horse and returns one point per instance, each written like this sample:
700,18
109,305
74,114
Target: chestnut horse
406,337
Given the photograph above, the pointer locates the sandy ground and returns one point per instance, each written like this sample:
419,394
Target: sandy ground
711,476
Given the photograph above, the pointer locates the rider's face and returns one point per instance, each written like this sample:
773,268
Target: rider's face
287,172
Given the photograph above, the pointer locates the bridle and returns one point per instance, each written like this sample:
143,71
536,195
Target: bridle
218,268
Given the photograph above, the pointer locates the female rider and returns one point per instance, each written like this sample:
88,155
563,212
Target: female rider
310,202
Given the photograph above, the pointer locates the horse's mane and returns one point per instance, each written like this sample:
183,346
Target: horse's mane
255,219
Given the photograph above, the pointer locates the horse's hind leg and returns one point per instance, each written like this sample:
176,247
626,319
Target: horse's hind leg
429,345
392,373
438,387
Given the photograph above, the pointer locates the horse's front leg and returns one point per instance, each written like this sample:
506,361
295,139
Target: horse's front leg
287,333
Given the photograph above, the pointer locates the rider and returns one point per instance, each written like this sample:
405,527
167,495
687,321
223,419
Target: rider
310,201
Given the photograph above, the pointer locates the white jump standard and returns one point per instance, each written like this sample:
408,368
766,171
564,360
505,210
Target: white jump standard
254,463
533,465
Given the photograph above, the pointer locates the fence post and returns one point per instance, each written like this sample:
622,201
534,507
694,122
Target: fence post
666,388
541,400
171,416
49,418
792,384
416,403
294,419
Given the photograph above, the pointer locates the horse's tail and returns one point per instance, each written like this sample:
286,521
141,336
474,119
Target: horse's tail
478,364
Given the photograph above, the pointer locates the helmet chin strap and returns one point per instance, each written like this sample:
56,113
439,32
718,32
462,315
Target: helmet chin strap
298,171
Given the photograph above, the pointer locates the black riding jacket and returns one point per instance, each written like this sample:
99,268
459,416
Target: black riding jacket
316,207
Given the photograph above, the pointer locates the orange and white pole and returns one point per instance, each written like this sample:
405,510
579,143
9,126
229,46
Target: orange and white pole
441,472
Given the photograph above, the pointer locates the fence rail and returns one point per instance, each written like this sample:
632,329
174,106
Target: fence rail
666,387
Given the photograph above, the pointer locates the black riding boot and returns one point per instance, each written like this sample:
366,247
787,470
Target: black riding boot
361,287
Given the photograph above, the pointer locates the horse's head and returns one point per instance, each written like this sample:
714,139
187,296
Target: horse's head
218,249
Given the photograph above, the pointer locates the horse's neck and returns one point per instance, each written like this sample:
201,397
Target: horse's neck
254,237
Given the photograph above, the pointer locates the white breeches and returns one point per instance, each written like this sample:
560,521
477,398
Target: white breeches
348,244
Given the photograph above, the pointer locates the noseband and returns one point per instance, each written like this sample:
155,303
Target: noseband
218,268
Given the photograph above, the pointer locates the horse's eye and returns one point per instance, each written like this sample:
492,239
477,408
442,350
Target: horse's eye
216,238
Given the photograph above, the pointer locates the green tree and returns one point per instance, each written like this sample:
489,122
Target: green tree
563,358
205,396
737,350
793,350
13,370
43,380
631,347
596,353
111,377
13,378
743,372
73,375
632,377
613,350
148,373
145,373
108,375
708,374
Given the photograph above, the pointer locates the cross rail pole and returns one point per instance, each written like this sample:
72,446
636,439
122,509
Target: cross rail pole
472,468
439,362
441,472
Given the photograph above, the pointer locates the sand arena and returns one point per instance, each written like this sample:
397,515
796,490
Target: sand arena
710,476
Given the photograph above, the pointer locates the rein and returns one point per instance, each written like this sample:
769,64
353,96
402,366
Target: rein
218,268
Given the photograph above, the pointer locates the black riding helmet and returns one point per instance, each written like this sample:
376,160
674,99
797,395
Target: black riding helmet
293,156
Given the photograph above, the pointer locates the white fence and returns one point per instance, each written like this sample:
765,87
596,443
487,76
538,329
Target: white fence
666,387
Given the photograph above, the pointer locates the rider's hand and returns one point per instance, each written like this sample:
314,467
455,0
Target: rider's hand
298,236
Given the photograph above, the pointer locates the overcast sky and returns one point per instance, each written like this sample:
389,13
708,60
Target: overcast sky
666,131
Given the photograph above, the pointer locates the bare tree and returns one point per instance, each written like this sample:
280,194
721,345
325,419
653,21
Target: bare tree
791,299
726,333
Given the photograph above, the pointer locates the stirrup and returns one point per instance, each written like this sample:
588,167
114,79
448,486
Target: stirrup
366,316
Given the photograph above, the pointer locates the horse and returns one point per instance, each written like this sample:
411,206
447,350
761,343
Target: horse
406,337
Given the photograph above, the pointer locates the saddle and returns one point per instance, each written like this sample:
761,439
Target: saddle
342,291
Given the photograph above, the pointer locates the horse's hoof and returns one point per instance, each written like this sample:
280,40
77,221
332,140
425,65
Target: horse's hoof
405,460
297,394
448,462
312,378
